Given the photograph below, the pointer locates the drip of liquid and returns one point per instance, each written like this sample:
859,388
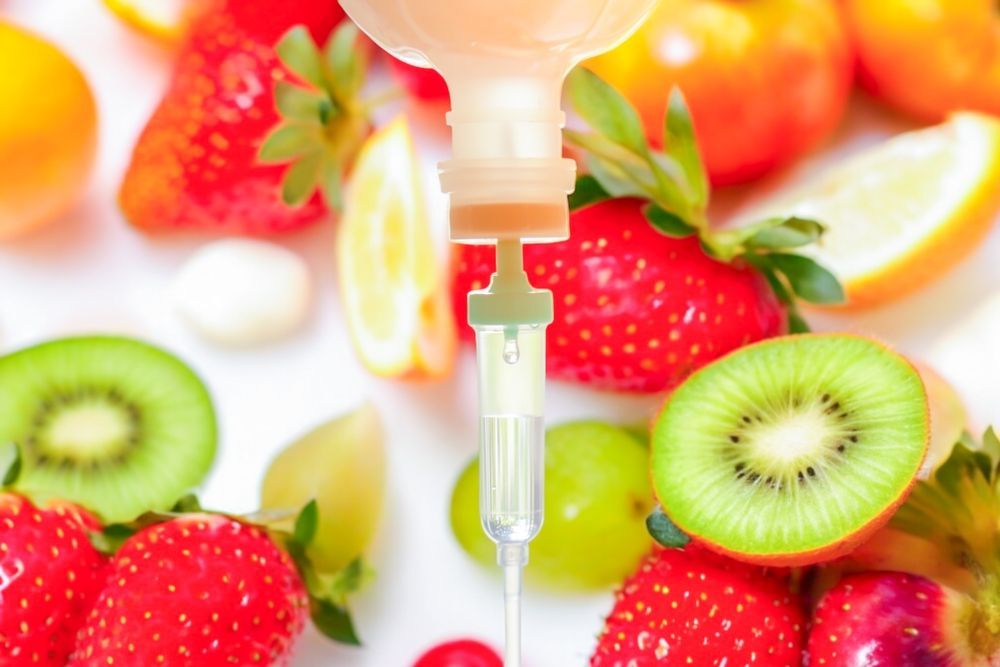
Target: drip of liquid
511,351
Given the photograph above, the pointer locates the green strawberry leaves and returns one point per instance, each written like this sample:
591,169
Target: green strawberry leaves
588,191
606,111
299,53
808,280
345,66
188,504
111,539
288,142
618,156
958,508
303,105
327,593
794,277
621,160
323,121
10,464
779,233
667,223
301,179
334,622
306,525
682,146
969,458
675,184
991,447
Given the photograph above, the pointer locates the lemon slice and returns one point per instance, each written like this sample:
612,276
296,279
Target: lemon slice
165,19
391,281
904,212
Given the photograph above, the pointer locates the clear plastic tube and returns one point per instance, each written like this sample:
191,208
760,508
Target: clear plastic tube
512,455
512,431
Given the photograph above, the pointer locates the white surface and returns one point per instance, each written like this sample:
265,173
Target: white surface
92,272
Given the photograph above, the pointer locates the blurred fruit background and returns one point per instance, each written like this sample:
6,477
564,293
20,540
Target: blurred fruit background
783,127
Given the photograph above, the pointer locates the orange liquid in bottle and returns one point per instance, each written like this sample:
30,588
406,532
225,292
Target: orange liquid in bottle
490,222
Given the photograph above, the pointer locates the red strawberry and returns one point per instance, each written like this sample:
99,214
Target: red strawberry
197,591
635,310
196,163
689,607
50,575
460,653
891,619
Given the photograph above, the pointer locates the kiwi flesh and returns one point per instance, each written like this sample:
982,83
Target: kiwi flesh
113,424
793,450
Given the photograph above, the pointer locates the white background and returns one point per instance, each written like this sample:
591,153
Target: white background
92,272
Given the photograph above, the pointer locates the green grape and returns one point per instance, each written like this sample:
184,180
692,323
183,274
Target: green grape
341,465
597,497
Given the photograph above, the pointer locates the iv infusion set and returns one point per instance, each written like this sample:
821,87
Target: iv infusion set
504,62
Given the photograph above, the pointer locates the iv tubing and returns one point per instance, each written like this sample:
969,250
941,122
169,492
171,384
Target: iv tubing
512,557
512,613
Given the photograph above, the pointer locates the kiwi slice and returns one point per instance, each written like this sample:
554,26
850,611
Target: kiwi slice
793,450
114,424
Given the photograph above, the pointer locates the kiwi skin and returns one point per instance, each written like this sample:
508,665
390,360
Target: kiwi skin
826,552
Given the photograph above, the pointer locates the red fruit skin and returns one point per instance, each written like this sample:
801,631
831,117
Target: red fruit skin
882,619
687,607
634,310
50,575
460,653
424,85
201,591
87,520
195,164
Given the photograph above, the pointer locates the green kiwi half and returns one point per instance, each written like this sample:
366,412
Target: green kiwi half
114,424
792,450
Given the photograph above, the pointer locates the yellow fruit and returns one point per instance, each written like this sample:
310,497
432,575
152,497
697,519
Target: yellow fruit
390,277
164,19
48,131
340,465
904,212
948,419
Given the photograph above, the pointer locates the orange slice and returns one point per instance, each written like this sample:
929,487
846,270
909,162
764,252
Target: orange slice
904,212
391,279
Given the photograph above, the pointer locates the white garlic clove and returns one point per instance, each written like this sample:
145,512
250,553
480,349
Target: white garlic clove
243,292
